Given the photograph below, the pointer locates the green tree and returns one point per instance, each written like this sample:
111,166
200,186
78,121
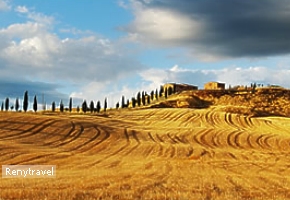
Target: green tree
152,95
84,106
165,93
139,99
156,94
78,108
70,104
161,91
92,106
35,104
133,102
98,106
61,106
53,106
7,104
17,104
117,105
170,91
123,102
148,99
25,101
143,99
128,102
2,106
105,105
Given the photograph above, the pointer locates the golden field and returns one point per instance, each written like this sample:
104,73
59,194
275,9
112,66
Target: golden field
154,153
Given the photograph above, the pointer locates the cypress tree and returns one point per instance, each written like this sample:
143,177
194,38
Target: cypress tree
78,108
143,99
17,104
105,104
161,91
133,102
53,106
2,106
123,102
61,106
25,101
70,104
35,104
92,106
84,106
156,94
152,95
139,99
165,93
117,105
98,106
148,100
170,91
128,102
7,104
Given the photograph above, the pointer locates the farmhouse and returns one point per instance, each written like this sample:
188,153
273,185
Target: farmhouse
179,87
214,86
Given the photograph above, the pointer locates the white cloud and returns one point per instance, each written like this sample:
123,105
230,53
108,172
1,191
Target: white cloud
122,4
21,9
24,30
4,6
161,26
35,16
41,18
88,63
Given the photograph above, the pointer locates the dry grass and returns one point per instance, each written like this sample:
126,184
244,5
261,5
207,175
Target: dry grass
148,154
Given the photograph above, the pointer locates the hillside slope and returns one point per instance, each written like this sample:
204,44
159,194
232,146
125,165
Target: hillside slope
264,102
148,154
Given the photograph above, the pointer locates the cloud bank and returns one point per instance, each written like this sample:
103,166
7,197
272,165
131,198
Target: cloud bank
32,55
229,28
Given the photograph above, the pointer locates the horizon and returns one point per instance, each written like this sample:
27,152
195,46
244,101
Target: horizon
42,105
100,49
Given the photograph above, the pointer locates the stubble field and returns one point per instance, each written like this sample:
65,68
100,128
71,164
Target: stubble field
148,154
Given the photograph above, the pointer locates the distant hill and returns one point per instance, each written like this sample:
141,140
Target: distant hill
261,102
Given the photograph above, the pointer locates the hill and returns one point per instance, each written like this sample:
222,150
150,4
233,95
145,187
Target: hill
148,154
262,102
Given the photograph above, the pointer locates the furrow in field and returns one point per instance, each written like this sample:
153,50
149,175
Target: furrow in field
229,121
58,141
36,128
87,145
262,140
73,137
200,137
121,149
26,161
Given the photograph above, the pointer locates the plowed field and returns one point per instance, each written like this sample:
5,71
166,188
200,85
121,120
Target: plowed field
148,154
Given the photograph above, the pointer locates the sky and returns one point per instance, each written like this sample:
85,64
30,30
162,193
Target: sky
92,50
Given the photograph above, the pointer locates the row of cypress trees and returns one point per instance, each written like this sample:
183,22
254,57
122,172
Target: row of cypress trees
17,105
85,107
142,98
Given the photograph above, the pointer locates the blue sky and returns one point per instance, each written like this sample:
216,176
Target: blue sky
108,48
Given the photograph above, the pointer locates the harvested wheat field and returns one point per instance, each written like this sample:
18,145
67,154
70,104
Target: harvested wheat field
168,153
